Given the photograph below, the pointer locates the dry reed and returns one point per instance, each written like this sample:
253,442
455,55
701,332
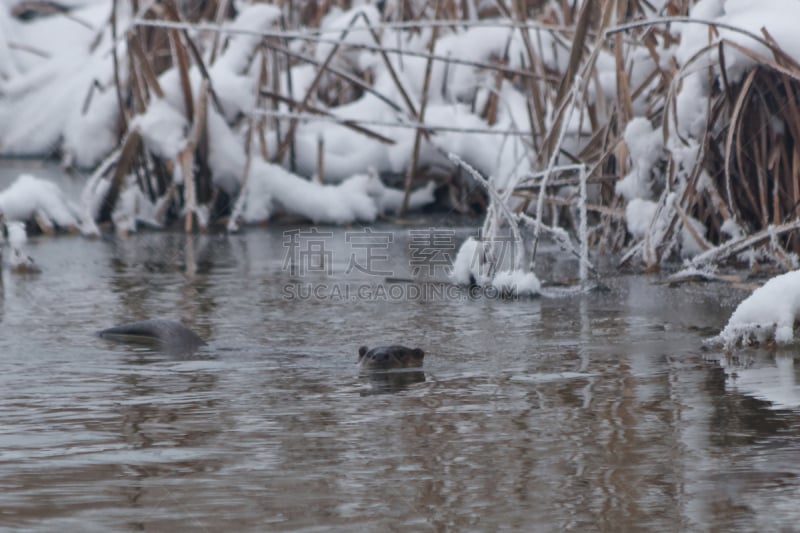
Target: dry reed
746,173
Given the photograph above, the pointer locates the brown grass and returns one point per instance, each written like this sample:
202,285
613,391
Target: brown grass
748,165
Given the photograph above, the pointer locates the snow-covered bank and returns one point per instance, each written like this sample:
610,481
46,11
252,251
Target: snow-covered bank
589,128
32,198
769,314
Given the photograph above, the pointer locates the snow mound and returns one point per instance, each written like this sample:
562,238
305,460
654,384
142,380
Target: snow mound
645,147
388,199
467,264
271,185
639,214
517,283
768,313
469,268
62,96
163,129
29,196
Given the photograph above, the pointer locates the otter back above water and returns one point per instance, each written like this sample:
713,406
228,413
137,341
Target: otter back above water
166,335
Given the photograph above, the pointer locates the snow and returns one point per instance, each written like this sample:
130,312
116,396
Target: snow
469,267
163,129
125,210
639,215
692,103
273,186
335,22
235,90
341,160
387,199
28,196
67,101
645,147
46,104
16,234
226,155
467,264
240,47
778,17
361,197
8,63
91,135
236,94
732,229
517,283
474,44
643,218
690,247
768,313
695,36
63,100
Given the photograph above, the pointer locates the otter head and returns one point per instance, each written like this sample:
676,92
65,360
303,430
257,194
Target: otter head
362,353
388,357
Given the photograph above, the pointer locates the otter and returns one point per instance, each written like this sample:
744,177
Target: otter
166,335
389,357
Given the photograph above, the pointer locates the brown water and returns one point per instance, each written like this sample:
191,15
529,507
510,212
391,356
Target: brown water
592,412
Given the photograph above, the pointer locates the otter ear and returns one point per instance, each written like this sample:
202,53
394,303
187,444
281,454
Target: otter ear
418,353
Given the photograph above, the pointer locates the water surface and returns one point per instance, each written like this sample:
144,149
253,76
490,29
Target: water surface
587,411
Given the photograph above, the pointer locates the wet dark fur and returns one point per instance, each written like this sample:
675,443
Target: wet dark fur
390,357
166,335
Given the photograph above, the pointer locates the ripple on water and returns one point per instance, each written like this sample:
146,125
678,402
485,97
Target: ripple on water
581,411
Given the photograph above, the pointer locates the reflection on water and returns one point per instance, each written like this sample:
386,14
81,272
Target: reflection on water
768,375
593,411
383,382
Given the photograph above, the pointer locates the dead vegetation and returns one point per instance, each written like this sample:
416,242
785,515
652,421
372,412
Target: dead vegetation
737,198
